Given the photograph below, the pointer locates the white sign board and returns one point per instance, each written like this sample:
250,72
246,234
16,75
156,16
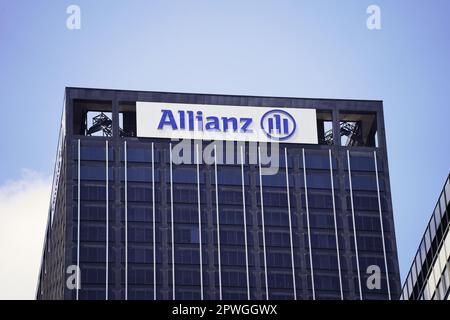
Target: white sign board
220,122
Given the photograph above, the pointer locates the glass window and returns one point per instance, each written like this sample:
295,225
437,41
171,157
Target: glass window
139,174
414,273
93,153
231,216
427,239
276,180
326,282
232,237
186,235
321,221
320,180
187,256
409,284
90,172
365,183
447,243
418,263
229,176
277,239
274,198
447,190
442,202
432,228
228,196
318,161
138,154
423,251
185,175
366,202
319,201
362,163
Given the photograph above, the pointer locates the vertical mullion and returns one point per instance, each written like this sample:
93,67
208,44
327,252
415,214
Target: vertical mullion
245,223
290,223
263,224
308,226
107,222
154,222
78,222
172,224
354,224
218,223
199,223
335,225
382,227
126,219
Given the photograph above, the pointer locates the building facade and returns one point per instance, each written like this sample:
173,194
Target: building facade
429,275
137,224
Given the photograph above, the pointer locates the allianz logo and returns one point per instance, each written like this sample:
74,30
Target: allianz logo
276,124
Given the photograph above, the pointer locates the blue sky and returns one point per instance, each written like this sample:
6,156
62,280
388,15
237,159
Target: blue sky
317,48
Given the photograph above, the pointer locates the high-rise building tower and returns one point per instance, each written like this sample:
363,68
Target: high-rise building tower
199,196
429,275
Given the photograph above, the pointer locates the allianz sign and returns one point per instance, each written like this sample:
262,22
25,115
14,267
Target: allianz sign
219,122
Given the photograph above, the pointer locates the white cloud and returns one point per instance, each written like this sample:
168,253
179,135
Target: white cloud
23,216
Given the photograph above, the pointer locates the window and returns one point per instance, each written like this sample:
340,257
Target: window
363,163
92,192
427,239
276,180
365,183
234,279
447,192
228,196
325,262
188,256
443,203
318,161
229,176
231,216
231,237
139,174
185,175
140,276
140,255
93,172
278,259
277,239
232,257
140,234
139,153
322,241
320,180
187,277
366,202
280,280
319,201
320,220
325,282
186,235
92,152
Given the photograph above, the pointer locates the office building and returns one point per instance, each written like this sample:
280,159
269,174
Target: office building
429,275
138,223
